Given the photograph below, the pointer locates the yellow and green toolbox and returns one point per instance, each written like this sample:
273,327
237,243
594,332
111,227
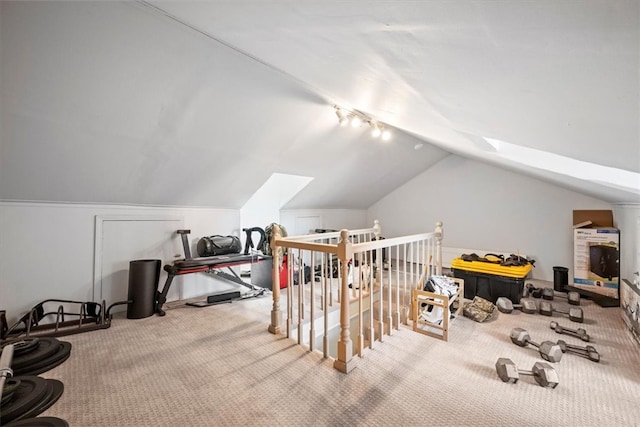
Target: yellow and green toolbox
492,276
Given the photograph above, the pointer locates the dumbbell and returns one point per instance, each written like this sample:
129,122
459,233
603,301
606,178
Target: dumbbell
575,313
578,333
542,372
572,297
548,349
530,290
589,351
506,306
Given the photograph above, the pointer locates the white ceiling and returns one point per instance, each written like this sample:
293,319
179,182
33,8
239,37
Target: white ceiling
561,77
199,103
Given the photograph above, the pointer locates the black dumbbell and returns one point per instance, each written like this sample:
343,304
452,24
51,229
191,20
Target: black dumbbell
578,333
589,351
575,313
548,349
543,373
532,291
572,297
506,306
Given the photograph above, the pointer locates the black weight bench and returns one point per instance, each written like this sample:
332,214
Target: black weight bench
211,265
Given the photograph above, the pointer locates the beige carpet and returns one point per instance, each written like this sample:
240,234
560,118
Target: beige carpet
218,366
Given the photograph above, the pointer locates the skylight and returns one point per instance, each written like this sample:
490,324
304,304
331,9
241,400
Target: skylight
605,175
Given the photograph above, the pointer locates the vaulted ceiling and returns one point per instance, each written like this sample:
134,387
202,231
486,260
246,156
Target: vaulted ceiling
198,103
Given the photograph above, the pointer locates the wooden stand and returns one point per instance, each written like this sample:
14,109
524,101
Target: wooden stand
436,330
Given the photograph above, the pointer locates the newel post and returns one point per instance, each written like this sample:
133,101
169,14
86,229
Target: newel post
276,314
439,236
344,361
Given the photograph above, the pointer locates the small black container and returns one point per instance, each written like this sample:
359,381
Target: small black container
560,279
144,275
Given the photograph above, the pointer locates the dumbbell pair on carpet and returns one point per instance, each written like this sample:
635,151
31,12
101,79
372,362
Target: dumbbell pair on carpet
546,308
572,297
544,374
578,333
551,351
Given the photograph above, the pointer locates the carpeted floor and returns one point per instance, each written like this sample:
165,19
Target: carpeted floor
218,366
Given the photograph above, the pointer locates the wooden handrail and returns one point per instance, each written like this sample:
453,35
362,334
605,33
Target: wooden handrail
421,249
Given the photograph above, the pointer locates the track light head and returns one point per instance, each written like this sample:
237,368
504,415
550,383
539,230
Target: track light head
375,129
386,135
342,117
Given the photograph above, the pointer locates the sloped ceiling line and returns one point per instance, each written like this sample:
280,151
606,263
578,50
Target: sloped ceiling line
232,47
205,91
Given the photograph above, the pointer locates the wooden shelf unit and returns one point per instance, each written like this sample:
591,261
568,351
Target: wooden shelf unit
436,330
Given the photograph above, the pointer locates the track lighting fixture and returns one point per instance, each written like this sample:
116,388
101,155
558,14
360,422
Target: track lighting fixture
375,130
357,119
343,119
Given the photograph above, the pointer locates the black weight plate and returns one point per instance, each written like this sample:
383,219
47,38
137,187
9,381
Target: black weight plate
54,391
46,347
10,386
39,422
64,350
26,396
23,346
32,410
5,398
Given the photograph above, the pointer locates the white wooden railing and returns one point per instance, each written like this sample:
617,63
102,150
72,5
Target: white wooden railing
381,272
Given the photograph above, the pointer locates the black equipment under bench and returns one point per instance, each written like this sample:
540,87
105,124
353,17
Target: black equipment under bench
208,265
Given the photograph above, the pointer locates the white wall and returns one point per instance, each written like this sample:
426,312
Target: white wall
47,250
327,218
627,219
486,207
263,208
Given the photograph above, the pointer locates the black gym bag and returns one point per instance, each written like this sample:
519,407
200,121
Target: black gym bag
218,245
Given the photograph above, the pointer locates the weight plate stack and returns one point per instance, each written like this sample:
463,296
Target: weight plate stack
22,346
32,396
33,356
63,352
45,347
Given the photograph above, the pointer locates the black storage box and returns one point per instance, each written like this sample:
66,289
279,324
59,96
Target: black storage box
261,274
490,286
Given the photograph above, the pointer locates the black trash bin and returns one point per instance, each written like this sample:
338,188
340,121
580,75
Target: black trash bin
144,275
560,279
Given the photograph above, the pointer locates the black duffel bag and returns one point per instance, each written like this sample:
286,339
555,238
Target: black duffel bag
218,245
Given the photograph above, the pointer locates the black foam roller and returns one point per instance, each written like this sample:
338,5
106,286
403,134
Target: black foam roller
144,275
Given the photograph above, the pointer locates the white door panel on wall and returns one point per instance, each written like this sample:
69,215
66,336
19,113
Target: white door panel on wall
122,239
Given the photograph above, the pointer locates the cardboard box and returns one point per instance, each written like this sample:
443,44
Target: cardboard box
593,218
596,253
